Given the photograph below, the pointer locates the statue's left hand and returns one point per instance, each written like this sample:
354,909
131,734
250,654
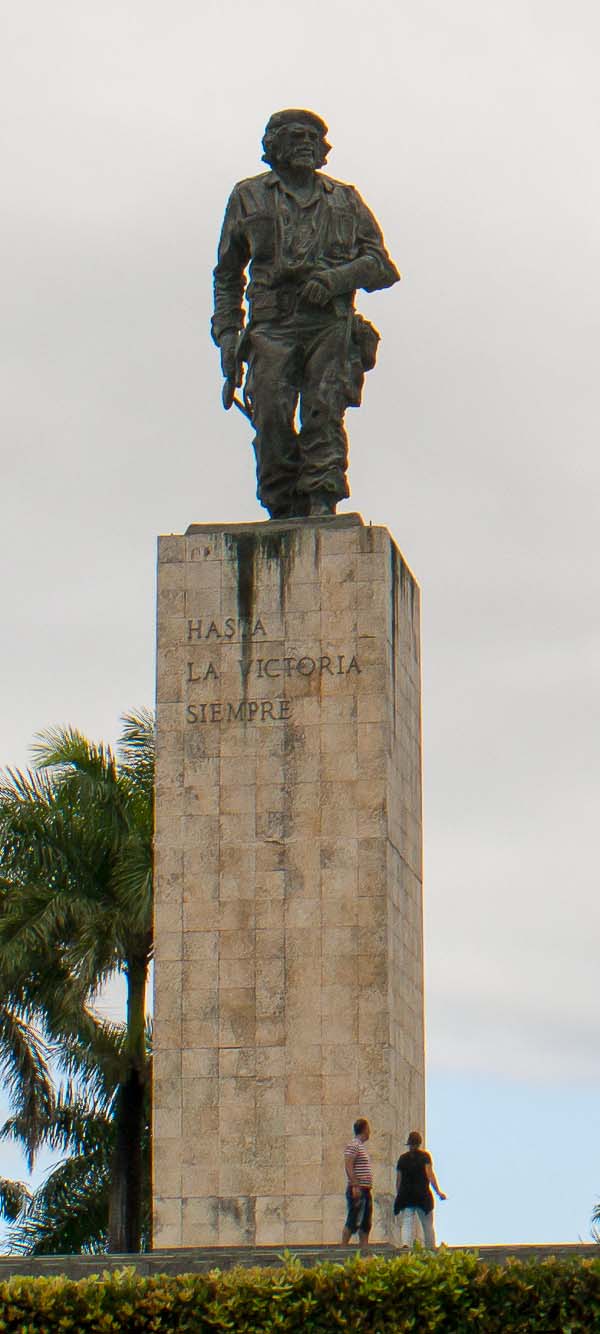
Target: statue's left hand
318,291
228,343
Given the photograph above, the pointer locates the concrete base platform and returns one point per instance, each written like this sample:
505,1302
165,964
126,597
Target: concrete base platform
200,1259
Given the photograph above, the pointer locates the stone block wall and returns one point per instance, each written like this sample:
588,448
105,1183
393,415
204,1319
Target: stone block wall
288,982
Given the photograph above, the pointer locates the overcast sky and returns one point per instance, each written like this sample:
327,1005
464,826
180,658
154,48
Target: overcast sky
471,129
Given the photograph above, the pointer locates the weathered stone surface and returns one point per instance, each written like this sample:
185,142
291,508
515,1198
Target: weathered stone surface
196,1260
289,993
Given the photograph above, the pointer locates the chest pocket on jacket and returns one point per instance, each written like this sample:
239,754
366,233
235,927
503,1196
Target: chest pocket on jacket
341,232
260,231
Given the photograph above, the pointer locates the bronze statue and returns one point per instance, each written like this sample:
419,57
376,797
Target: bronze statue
310,242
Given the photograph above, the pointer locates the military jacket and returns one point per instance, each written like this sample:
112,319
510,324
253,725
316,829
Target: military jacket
282,242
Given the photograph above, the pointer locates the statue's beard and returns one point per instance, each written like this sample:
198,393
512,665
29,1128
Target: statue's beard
298,158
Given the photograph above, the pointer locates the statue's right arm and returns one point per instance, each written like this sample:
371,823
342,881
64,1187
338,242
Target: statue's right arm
230,278
372,269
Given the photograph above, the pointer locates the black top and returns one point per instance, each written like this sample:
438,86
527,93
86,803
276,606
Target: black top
414,1186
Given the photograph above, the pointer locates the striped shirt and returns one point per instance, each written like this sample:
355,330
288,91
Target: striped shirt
358,1163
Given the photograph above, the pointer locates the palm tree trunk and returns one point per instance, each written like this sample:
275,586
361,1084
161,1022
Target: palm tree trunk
126,1190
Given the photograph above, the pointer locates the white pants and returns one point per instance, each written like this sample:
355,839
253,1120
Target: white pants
415,1225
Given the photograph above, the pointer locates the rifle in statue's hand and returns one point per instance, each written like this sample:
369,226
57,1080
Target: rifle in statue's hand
228,394
230,398
232,366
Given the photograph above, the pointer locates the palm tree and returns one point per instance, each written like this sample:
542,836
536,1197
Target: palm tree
76,869
69,1211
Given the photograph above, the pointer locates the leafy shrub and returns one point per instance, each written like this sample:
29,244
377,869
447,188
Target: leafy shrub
445,1293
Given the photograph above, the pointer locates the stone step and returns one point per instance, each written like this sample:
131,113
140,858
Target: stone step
560,1251
200,1259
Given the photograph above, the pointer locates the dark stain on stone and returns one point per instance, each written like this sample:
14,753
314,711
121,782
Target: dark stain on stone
316,549
279,547
240,1211
396,576
242,546
403,590
249,551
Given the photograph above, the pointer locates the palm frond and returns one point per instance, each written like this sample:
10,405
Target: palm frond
68,1214
133,886
65,748
137,744
98,1057
76,1124
28,787
24,1071
14,1198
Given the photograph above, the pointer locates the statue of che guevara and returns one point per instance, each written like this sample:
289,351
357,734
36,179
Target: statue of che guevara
309,242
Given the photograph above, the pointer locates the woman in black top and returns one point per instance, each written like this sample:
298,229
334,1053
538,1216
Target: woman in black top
414,1178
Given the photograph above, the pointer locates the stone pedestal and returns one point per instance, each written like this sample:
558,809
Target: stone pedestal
288,985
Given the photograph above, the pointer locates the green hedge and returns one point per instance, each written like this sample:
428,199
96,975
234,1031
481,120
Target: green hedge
419,1293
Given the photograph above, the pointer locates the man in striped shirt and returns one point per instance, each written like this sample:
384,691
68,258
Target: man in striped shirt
359,1192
